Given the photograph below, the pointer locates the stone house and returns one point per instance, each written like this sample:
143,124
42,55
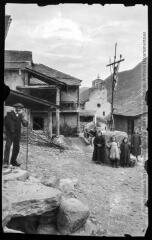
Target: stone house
133,114
38,81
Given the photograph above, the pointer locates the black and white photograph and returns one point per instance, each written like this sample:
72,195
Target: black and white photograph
75,139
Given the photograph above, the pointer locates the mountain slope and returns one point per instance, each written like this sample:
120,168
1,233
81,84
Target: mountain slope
130,93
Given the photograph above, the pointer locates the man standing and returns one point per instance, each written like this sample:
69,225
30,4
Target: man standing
136,144
12,124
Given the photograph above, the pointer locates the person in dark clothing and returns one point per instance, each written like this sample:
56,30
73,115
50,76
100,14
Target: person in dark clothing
136,144
124,153
99,148
12,122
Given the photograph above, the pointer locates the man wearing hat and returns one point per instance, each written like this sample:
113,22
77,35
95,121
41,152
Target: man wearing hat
12,122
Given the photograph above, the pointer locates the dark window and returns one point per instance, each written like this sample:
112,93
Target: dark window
98,105
130,126
103,113
38,123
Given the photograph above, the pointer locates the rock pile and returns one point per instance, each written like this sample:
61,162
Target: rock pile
61,141
118,134
40,207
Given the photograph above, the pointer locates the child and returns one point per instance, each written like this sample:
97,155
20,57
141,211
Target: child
125,153
114,152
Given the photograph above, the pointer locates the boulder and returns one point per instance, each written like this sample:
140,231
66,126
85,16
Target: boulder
6,210
71,216
16,174
91,229
47,229
29,198
8,230
48,217
50,182
87,230
26,224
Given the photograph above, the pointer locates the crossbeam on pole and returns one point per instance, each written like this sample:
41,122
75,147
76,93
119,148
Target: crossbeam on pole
115,62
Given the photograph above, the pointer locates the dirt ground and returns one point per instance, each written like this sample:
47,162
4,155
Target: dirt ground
115,196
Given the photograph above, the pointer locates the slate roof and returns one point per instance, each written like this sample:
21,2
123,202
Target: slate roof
17,56
55,74
84,95
13,65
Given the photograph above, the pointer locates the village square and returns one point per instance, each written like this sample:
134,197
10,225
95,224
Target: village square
74,154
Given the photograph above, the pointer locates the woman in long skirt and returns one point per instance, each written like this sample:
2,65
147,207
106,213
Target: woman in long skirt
136,144
125,153
99,148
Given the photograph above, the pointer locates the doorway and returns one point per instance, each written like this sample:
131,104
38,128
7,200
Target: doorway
38,123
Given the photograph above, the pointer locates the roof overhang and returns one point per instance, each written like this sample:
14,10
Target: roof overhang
129,115
45,78
39,87
28,101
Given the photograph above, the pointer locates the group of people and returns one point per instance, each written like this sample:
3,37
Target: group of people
117,153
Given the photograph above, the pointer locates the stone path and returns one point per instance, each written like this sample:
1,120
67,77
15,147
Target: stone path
115,196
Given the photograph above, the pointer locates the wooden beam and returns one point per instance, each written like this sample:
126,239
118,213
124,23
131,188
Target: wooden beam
57,112
50,123
115,62
46,87
44,78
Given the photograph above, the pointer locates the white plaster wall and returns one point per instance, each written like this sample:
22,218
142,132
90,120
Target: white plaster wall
13,79
105,107
98,97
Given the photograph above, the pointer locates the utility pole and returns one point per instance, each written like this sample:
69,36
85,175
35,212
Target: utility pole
115,66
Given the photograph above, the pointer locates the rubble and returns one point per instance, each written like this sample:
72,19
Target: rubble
39,137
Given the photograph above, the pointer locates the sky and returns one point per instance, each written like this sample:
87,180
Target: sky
79,39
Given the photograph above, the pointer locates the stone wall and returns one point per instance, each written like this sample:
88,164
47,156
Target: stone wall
68,123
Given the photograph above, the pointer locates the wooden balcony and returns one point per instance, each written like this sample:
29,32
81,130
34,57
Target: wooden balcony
69,106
